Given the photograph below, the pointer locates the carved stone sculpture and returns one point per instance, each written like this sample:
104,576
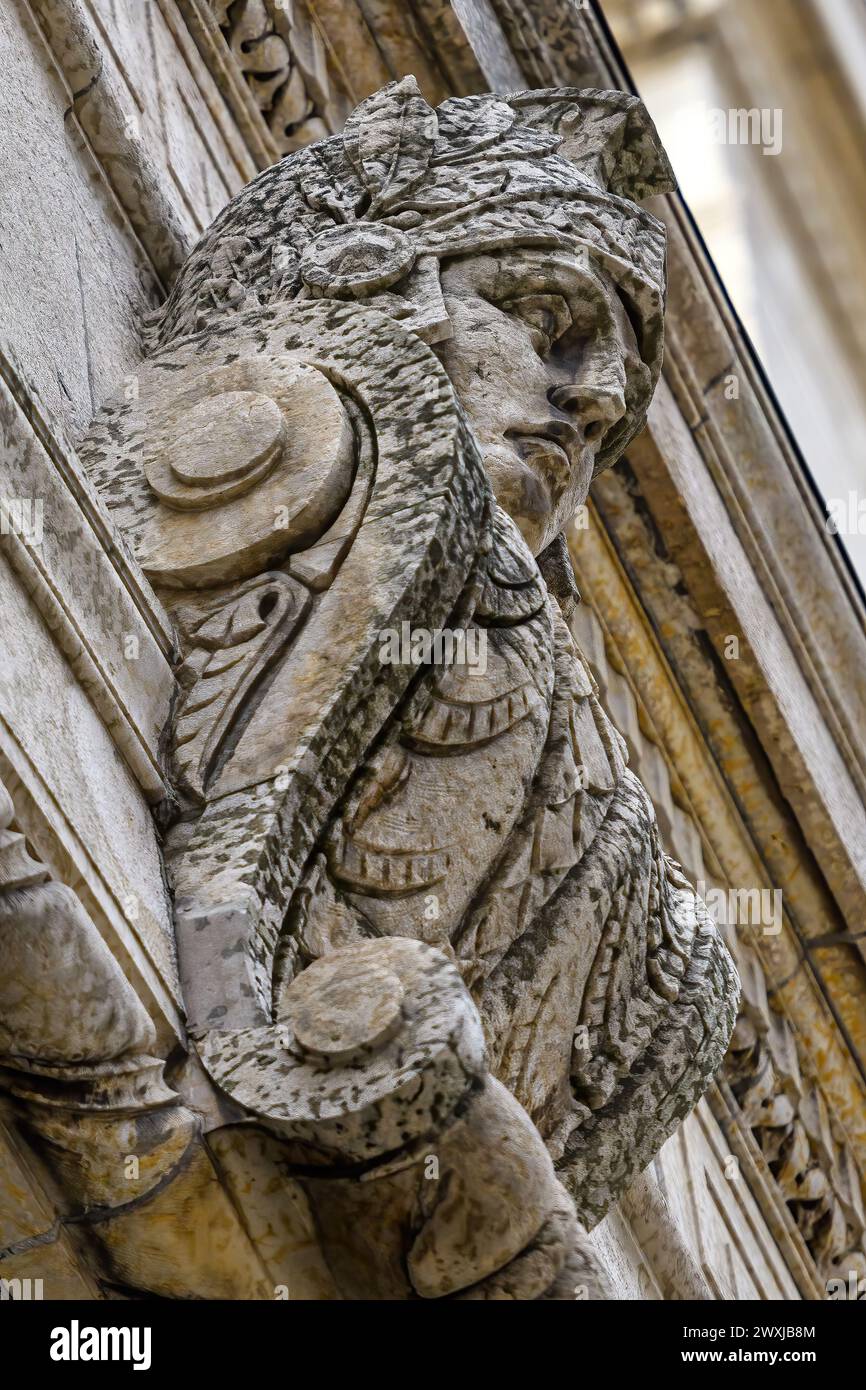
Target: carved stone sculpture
428,939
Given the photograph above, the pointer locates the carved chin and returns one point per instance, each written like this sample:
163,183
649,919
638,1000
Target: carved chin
523,492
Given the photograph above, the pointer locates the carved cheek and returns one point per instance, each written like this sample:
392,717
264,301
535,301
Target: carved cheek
496,373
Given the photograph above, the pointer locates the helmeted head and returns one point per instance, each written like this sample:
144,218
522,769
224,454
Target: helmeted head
505,232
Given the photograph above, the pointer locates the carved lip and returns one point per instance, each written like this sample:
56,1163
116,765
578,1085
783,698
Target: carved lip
558,437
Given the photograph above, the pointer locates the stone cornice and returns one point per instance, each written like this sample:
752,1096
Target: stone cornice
290,72
59,846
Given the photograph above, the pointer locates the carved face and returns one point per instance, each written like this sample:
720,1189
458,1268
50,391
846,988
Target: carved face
544,361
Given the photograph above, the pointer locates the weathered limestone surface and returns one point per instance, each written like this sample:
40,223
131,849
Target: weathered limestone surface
793,1127
119,125
692,1228
70,323
77,777
434,962
282,56
787,1116
79,574
120,151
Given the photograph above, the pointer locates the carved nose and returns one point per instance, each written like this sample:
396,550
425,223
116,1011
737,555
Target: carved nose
594,408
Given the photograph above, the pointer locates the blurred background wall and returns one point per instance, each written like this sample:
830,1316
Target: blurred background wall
783,214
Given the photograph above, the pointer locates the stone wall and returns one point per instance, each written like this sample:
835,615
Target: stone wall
121,150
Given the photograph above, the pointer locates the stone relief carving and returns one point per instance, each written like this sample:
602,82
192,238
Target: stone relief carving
76,1055
790,1120
428,939
785,1108
282,56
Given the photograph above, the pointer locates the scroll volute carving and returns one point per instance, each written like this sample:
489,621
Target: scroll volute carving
290,484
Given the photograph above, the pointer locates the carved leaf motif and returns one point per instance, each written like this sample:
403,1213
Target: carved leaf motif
606,135
283,58
470,124
293,105
231,645
389,139
257,49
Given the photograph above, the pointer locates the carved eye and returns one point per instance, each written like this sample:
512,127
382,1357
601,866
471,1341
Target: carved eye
547,316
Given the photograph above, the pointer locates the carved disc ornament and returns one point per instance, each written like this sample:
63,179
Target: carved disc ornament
369,1052
357,260
262,444
224,447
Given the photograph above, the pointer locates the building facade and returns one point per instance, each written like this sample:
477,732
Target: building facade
719,615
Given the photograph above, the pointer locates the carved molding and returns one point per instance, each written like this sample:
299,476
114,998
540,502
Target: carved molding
773,1088
100,106
292,71
129,685
282,56
778,522
789,1117
135,1196
148,134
